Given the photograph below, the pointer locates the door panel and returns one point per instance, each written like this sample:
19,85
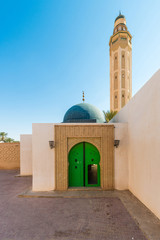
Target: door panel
92,174
92,168
76,166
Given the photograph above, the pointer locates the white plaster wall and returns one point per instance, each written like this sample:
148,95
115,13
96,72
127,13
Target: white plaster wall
25,154
121,157
143,116
43,157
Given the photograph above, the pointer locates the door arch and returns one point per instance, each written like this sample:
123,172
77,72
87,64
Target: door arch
84,168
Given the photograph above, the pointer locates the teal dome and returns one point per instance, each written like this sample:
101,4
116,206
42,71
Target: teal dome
83,113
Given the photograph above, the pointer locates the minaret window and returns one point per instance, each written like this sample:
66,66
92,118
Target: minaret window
123,79
115,81
123,99
123,59
115,100
115,61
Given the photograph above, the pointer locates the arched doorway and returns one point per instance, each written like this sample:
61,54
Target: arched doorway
84,168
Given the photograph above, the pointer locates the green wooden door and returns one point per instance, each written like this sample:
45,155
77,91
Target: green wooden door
76,166
84,169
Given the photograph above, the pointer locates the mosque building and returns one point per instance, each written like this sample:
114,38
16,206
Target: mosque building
85,152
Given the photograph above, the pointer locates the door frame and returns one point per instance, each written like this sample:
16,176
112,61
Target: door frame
85,165
100,135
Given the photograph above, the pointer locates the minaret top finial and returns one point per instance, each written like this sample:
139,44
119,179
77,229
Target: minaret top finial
120,12
83,96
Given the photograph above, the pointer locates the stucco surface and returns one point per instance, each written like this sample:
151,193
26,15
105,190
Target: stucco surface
121,157
26,154
143,117
43,157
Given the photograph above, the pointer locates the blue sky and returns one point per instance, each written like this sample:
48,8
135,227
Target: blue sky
52,50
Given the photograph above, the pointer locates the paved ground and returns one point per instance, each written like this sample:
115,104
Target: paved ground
72,216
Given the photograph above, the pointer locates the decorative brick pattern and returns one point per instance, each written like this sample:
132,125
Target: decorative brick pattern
100,135
9,155
96,141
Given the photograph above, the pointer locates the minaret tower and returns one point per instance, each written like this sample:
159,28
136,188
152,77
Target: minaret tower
120,65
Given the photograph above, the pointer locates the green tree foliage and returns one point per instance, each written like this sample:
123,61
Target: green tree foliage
4,138
109,115
9,140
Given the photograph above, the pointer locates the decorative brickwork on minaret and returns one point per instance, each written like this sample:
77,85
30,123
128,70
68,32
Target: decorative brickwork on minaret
120,65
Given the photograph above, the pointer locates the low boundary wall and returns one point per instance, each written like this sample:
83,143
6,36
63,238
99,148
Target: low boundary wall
10,155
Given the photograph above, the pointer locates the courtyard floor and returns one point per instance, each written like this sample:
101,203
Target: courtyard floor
71,215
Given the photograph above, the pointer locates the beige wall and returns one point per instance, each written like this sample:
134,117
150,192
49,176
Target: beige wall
121,157
9,155
43,157
26,154
143,116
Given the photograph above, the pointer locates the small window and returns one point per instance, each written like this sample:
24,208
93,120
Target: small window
123,60
115,81
123,99
115,61
115,100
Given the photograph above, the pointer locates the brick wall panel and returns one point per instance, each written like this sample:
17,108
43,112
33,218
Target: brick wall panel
9,155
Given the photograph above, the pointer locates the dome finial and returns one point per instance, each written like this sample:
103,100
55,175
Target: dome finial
120,13
83,96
